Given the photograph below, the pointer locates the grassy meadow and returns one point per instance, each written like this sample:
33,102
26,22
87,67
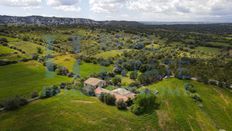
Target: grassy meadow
74,111
24,78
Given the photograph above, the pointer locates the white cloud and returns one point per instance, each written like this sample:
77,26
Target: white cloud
68,8
106,6
65,5
21,3
181,6
181,9
62,2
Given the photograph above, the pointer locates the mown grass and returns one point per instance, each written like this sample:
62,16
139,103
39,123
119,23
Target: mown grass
24,78
71,110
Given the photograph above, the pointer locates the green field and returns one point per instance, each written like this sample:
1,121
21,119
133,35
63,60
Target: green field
84,69
28,47
179,112
152,52
72,110
110,54
14,57
24,78
6,50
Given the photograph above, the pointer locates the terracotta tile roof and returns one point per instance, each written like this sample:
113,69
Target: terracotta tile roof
122,93
93,81
119,93
100,90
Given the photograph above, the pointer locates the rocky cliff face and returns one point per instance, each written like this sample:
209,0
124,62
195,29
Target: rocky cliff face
40,20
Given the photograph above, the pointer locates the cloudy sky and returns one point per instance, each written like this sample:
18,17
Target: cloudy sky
139,10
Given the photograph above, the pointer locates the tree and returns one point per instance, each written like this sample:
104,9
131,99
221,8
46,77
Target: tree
149,76
116,80
189,87
88,90
49,91
34,94
14,103
117,69
39,50
121,105
51,66
61,70
123,73
133,75
107,98
144,103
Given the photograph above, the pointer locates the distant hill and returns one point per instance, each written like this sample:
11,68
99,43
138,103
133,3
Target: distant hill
40,20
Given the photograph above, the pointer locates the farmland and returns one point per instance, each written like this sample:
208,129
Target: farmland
48,66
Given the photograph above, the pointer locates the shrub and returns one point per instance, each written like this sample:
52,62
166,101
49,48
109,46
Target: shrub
88,90
133,75
107,98
63,85
34,94
49,91
104,62
3,40
121,105
116,80
51,66
134,84
39,50
62,71
123,73
34,56
196,97
14,103
129,102
189,87
136,109
149,77
117,69
144,103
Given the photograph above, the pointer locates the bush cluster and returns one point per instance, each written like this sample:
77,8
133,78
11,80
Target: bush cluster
144,103
107,98
14,103
88,90
189,87
49,91
121,104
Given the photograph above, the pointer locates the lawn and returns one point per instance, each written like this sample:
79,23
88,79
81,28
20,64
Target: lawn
71,110
24,78
84,69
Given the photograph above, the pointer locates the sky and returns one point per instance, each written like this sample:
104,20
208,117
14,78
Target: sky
133,10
